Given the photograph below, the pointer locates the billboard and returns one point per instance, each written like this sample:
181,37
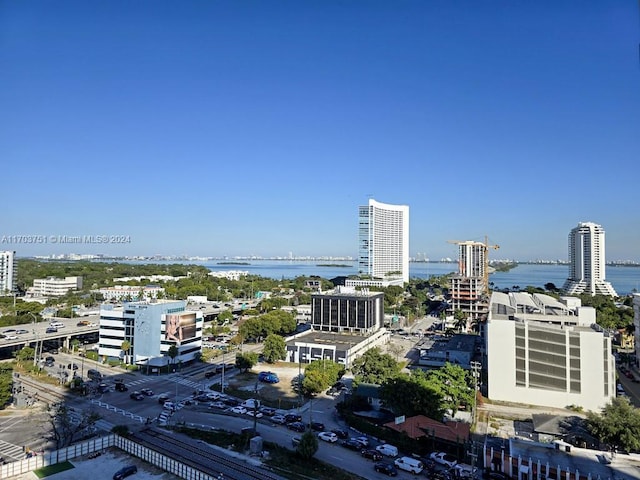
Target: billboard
180,327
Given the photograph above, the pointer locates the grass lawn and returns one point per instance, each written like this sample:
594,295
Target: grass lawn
52,469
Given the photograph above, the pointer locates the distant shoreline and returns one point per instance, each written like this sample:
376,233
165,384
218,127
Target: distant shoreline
233,263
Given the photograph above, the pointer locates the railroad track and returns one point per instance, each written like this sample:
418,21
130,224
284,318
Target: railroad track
199,456
45,392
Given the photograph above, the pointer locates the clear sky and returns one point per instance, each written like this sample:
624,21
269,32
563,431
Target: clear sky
258,127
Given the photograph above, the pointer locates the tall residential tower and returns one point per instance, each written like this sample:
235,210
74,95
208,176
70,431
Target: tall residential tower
587,262
7,272
383,247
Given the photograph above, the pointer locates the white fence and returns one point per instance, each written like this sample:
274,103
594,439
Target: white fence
167,464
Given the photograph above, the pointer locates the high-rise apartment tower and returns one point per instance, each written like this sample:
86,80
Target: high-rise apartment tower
587,261
383,248
7,272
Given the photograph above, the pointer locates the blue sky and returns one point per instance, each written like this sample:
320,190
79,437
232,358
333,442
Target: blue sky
258,127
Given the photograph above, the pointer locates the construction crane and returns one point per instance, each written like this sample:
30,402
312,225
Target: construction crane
485,250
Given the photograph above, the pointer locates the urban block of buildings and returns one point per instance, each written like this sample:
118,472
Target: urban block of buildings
587,262
150,328
543,351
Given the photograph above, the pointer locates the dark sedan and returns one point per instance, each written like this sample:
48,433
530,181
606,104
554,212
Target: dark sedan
296,426
352,444
386,468
371,454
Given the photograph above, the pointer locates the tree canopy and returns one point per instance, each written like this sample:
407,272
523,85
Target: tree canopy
274,348
374,367
617,426
320,374
432,393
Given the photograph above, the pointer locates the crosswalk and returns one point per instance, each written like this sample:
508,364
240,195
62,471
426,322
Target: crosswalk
9,451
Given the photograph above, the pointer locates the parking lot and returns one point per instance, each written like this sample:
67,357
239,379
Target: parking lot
103,467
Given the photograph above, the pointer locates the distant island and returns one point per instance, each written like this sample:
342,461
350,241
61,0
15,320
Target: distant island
333,265
503,266
233,263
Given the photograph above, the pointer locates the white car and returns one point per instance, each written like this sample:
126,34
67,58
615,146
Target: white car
238,409
464,471
387,450
251,413
279,419
328,437
443,459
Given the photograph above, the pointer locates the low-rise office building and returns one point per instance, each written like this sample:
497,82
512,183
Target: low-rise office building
150,329
54,287
131,292
542,351
347,310
341,348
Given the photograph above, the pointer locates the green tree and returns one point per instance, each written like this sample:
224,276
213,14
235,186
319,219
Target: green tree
460,320
126,346
246,361
274,348
617,426
6,384
320,374
412,395
374,367
172,353
25,355
454,385
308,445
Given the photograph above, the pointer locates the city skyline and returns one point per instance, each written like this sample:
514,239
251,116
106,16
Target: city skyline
231,130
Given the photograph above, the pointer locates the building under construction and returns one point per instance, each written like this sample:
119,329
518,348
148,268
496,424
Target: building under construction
470,286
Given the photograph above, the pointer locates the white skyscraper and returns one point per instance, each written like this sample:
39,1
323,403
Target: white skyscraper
383,249
587,262
7,272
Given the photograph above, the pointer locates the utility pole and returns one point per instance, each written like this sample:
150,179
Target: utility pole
475,371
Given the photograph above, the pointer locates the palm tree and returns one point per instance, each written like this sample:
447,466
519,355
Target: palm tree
173,353
460,320
125,347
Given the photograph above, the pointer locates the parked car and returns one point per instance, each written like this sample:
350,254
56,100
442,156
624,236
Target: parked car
386,468
342,434
371,454
253,413
352,444
238,409
293,417
217,405
279,419
268,377
409,464
317,426
328,437
125,472
268,411
387,450
364,441
443,459
462,470
297,426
